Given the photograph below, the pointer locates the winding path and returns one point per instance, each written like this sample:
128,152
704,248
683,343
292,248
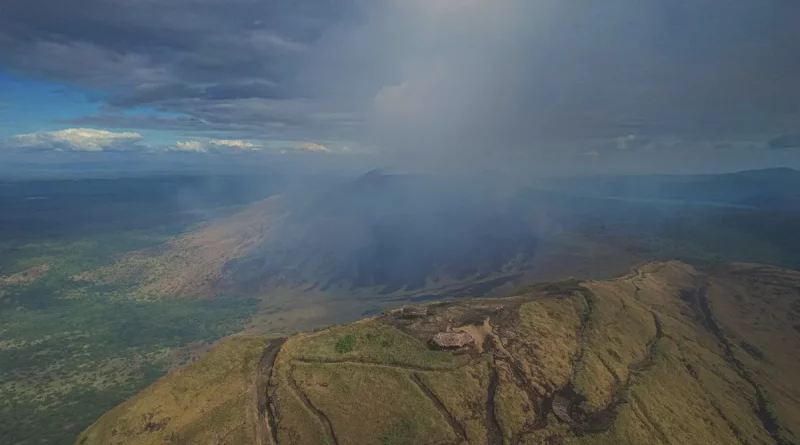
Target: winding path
567,401
413,375
323,418
763,412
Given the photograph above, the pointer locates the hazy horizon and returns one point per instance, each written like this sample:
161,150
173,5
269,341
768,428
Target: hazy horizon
543,86
188,179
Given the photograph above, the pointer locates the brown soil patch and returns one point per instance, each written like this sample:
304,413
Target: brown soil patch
193,264
28,275
478,333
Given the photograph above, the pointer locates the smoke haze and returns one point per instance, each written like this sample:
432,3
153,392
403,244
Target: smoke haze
552,85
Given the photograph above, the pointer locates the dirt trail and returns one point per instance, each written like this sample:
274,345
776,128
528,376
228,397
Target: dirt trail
763,412
541,405
458,429
266,427
323,418
600,421
381,365
565,402
649,359
581,422
413,375
494,435
568,400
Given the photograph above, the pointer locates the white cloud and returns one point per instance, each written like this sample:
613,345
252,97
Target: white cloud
626,142
312,146
214,145
232,143
189,147
262,38
78,139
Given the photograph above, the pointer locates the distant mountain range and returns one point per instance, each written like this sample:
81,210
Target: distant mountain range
767,188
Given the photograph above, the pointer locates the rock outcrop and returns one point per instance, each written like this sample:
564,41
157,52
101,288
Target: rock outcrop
450,340
414,311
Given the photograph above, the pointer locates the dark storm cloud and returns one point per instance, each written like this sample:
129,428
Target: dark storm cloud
160,42
533,71
789,140
149,94
482,77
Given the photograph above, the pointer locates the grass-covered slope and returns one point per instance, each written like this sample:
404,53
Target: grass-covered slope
665,355
213,400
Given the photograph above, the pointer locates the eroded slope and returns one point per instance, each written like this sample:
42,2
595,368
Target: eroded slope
665,355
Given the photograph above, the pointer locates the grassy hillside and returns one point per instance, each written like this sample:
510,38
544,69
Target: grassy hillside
665,355
213,400
107,285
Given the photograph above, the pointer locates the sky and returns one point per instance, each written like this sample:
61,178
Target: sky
640,86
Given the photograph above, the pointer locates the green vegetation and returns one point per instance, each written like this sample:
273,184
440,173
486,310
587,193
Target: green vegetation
345,344
93,354
618,332
545,339
211,400
403,432
464,392
653,357
396,409
72,346
71,350
372,342
512,406
675,374
755,308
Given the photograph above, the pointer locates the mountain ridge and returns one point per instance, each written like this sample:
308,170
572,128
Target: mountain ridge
665,354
